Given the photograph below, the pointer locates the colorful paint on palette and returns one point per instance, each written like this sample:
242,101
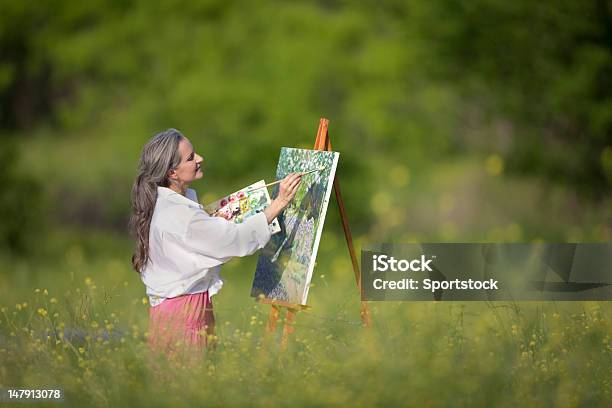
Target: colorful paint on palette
243,204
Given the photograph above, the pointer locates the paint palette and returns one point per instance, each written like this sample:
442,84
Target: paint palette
243,204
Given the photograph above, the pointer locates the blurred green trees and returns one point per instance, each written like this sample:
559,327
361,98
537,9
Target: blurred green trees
20,203
402,82
543,71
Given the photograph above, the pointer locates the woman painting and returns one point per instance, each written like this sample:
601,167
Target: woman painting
180,248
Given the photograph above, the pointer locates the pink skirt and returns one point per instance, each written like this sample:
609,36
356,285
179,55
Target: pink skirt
181,324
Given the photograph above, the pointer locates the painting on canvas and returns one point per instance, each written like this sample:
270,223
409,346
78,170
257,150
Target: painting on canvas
285,265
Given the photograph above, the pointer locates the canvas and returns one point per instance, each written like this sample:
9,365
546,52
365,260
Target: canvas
285,265
242,204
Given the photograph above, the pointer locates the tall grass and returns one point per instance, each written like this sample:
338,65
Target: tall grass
89,342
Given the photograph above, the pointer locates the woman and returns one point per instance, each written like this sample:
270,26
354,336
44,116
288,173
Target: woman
179,247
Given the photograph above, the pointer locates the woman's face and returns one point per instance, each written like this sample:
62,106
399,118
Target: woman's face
189,167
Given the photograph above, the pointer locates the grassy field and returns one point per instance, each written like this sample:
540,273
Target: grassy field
83,329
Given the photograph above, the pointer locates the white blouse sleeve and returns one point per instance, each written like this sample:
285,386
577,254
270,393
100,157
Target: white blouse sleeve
219,239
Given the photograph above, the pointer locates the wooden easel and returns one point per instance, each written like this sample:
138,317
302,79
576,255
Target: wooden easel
322,142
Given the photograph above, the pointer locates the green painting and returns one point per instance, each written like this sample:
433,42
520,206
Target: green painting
285,265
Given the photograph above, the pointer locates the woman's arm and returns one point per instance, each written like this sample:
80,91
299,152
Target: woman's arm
218,239
287,190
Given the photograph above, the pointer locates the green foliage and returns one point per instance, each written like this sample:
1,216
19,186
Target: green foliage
542,73
20,205
407,86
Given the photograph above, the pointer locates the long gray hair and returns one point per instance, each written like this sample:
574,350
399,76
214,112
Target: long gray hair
158,157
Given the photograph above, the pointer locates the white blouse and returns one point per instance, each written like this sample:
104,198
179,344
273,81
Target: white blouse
187,246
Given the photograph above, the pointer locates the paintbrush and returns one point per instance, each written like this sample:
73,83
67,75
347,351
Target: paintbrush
278,181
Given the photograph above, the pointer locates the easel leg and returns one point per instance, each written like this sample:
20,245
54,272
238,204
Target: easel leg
322,142
273,319
287,328
366,319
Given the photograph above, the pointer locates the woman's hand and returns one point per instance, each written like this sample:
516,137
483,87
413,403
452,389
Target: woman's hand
286,192
288,188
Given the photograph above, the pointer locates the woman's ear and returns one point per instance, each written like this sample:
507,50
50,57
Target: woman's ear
172,174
